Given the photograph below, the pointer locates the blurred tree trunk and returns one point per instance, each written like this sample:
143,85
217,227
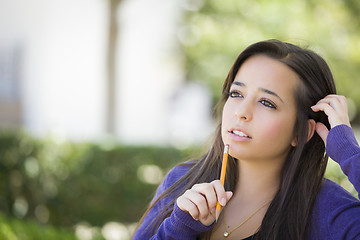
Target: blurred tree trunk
111,66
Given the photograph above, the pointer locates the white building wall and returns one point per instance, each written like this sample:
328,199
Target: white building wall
64,71
149,70
64,43
69,53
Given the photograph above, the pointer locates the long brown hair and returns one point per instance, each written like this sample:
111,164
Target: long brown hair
289,216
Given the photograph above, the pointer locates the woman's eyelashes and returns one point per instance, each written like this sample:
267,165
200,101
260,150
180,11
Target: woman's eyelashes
234,94
265,102
268,103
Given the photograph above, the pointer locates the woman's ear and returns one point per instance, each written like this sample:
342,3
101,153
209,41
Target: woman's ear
311,131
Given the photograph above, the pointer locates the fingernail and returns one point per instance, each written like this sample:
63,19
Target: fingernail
223,202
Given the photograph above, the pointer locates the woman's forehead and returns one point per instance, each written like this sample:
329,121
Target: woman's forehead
264,72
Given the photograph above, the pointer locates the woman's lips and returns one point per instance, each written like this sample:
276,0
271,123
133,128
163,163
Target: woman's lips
239,135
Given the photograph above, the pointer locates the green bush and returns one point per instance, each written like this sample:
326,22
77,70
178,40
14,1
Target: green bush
67,183
14,229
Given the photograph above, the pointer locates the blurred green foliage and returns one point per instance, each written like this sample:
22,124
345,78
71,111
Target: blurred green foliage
15,229
334,173
214,32
66,183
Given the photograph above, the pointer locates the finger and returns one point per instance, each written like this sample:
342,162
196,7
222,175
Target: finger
333,104
199,201
339,103
324,107
335,117
220,192
322,130
186,205
207,189
342,99
334,96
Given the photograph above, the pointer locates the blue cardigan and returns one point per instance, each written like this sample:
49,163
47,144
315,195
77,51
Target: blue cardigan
336,211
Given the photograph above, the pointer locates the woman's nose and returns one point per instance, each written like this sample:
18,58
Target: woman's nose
244,111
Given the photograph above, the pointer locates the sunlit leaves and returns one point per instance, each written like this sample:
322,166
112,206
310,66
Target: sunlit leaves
222,29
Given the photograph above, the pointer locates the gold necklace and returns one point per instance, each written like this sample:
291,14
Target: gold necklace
227,233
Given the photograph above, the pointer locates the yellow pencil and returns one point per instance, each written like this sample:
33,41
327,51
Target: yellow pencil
222,177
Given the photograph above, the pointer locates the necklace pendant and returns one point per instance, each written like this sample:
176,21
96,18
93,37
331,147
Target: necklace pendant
226,234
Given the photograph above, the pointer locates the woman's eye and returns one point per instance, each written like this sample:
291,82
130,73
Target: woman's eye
268,104
234,94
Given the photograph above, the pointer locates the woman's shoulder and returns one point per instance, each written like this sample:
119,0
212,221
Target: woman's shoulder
332,193
333,201
336,212
177,172
172,177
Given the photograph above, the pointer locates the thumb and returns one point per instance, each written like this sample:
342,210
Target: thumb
229,194
322,130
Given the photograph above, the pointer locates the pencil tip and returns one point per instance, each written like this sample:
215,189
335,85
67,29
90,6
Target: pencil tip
217,213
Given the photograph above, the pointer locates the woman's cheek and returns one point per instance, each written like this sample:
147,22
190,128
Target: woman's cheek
276,130
281,131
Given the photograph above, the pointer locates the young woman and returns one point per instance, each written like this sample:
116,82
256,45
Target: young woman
278,102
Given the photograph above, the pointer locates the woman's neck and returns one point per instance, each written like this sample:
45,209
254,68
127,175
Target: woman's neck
258,180
257,185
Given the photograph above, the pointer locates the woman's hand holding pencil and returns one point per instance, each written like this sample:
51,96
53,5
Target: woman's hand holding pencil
202,199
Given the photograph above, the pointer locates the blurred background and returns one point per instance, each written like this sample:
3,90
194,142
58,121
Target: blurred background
100,98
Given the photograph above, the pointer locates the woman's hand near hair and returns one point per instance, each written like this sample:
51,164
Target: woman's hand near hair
200,201
335,107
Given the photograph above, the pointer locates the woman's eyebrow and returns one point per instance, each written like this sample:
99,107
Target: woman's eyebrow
241,84
271,93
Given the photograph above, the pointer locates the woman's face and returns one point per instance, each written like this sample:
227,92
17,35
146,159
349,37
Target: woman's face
259,115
